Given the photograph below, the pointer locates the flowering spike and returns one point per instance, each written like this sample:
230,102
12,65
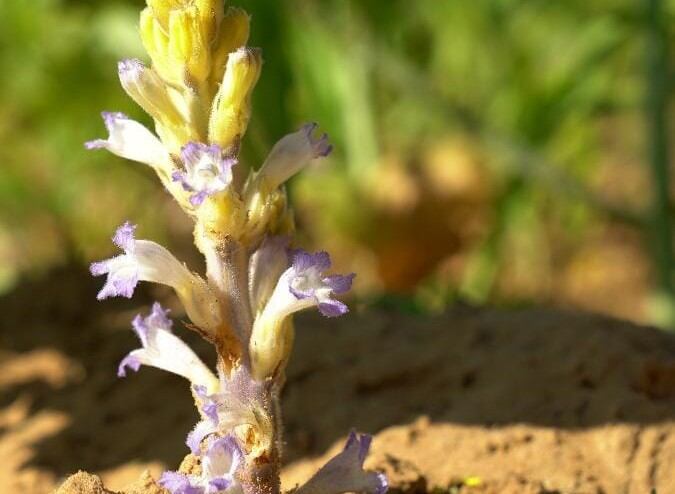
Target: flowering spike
198,92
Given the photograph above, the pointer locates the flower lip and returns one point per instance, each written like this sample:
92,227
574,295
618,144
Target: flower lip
123,270
162,349
131,140
344,472
130,68
306,281
321,147
207,171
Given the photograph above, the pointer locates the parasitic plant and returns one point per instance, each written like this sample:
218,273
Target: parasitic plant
197,90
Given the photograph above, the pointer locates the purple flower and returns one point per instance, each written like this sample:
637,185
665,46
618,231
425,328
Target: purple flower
344,472
220,463
131,140
226,409
162,349
123,270
292,153
144,260
307,283
207,171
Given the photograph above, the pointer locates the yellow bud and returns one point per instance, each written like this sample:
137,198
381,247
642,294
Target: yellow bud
161,10
268,212
232,34
270,346
188,45
156,43
148,90
211,13
231,108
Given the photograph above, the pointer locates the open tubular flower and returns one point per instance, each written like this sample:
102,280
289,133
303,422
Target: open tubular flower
197,88
301,286
219,465
292,153
344,472
131,140
162,349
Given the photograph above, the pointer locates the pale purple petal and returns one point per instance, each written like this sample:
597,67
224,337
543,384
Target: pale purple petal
129,70
130,361
218,484
198,197
158,317
123,270
109,122
209,405
178,483
222,458
122,277
124,237
96,144
197,435
156,320
333,308
339,283
303,260
320,146
344,472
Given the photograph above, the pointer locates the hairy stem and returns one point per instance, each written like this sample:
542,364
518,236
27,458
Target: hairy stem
227,270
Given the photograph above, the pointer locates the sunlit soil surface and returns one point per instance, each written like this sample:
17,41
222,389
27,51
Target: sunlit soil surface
477,400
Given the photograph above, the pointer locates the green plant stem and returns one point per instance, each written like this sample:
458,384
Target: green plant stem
656,112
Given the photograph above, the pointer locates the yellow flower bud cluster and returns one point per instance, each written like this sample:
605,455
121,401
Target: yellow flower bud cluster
201,79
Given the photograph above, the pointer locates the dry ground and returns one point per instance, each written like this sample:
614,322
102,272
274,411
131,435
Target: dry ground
474,401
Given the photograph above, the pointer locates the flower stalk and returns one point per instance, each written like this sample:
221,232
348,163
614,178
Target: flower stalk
197,90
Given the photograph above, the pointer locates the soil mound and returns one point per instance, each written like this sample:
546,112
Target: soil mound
475,400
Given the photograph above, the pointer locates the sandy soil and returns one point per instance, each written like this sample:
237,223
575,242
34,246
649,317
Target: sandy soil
476,400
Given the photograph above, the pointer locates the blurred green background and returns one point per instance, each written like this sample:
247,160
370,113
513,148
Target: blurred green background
487,151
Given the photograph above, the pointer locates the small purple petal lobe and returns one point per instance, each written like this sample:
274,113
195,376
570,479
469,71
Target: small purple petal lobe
333,308
129,361
129,68
110,117
98,268
177,483
321,147
158,317
196,436
124,237
96,144
117,287
218,484
340,283
303,260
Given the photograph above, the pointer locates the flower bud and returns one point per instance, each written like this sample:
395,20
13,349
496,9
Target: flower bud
188,44
149,91
232,33
231,108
